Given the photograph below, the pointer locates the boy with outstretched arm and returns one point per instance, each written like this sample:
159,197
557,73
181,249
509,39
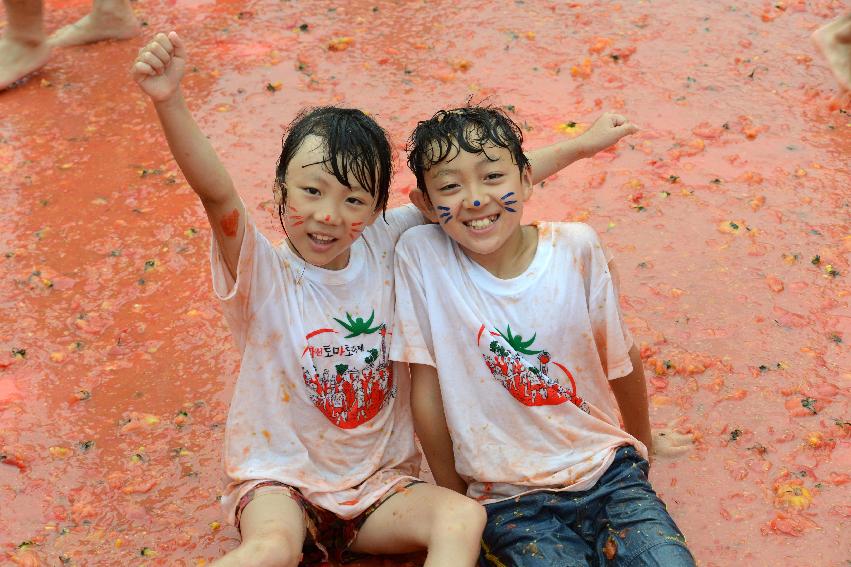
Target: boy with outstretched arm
522,325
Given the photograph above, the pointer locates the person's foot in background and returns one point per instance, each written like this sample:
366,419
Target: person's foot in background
109,19
23,47
834,41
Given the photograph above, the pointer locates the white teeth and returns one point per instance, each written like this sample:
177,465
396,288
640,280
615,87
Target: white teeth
482,223
322,237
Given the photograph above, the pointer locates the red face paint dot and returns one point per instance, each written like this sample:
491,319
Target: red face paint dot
229,223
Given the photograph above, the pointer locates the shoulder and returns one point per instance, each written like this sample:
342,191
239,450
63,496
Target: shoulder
577,235
393,223
427,233
421,238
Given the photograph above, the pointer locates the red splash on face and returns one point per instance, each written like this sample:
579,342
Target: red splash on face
355,230
229,223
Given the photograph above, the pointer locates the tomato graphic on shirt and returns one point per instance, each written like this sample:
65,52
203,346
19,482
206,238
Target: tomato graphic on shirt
530,384
349,381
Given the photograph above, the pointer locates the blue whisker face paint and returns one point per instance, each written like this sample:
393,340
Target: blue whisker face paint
505,203
445,215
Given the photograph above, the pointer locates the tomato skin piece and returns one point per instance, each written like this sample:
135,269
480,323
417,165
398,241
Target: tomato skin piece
13,460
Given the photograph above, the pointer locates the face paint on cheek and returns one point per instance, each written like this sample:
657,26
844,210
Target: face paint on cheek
506,203
445,214
229,223
355,230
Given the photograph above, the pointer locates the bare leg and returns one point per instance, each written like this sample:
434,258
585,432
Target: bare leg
448,524
22,48
109,19
834,41
273,532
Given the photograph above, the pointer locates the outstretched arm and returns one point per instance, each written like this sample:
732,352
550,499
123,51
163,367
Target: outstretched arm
606,131
430,424
158,70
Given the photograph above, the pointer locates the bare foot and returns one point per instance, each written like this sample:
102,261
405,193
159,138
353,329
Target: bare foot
97,26
19,58
834,41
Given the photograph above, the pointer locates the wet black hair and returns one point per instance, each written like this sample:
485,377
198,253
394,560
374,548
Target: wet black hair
469,128
355,147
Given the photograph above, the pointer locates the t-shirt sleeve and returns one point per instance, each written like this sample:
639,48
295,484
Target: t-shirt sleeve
253,283
400,219
412,339
611,334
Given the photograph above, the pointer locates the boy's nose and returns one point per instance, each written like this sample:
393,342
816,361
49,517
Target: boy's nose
327,216
476,199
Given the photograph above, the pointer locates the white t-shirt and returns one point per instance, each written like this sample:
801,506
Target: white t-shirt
523,363
318,405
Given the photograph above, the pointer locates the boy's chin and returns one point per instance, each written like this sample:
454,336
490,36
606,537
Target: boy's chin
480,248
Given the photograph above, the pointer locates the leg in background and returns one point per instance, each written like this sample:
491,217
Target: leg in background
109,19
834,41
22,48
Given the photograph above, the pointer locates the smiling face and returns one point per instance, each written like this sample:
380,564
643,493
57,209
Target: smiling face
477,198
322,217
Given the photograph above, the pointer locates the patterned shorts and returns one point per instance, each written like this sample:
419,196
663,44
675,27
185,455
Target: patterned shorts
328,537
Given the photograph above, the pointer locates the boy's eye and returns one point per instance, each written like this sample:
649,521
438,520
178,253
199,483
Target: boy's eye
311,190
356,201
449,187
493,176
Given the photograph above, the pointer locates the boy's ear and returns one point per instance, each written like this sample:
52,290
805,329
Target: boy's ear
422,202
526,182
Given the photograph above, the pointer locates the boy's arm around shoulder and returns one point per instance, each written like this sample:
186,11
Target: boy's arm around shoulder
431,428
606,131
158,70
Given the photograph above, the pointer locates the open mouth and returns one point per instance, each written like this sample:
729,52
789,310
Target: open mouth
321,240
481,224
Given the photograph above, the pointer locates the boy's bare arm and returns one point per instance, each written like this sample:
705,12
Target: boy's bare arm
606,131
631,393
430,424
158,70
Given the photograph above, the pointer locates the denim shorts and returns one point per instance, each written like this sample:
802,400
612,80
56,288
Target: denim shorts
619,522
